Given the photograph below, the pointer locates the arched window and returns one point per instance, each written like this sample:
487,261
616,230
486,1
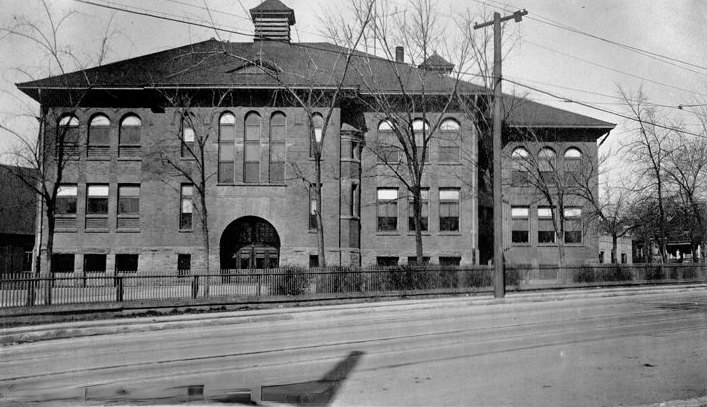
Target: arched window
318,123
99,136
385,125
519,160
129,137
251,157
278,137
547,164
420,129
573,165
387,149
449,141
226,148
67,138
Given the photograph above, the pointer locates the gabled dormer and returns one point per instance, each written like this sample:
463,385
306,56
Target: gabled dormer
272,21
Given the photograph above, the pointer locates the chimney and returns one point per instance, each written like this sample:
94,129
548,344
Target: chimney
272,21
400,54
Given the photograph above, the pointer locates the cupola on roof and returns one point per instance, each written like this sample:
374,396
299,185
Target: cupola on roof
437,64
272,21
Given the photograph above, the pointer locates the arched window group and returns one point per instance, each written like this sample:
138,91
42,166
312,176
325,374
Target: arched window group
98,137
546,164
256,148
448,141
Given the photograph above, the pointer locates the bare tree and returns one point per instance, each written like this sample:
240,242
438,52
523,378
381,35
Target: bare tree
186,155
411,102
686,169
58,142
649,151
318,90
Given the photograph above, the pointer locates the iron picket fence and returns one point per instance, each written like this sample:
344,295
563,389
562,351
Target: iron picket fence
24,289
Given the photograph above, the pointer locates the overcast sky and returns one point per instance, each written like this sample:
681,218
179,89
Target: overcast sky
567,64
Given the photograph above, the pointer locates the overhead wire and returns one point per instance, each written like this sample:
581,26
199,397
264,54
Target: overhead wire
211,27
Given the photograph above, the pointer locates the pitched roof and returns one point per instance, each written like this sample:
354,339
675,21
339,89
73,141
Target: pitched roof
215,63
270,64
521,112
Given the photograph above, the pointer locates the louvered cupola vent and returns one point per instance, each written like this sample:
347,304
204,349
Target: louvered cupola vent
272,21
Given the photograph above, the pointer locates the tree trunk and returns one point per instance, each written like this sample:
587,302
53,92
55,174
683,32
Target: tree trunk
614,248
417,215
48,272
318,193
205,237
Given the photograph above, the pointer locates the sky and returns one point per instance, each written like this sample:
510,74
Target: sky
582,67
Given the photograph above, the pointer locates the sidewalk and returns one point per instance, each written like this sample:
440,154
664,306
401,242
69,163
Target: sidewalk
24,334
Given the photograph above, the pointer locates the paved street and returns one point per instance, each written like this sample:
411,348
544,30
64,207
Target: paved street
625,350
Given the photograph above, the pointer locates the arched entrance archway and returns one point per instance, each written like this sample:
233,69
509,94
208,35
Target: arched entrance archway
250,242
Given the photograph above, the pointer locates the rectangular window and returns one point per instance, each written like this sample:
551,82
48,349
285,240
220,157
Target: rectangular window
97,206
448,210
412,261
624,258
97,200
601,257
387,209
355,206
94,263
425,195
128,206
573,225
312,209
520,218
449,261
313,260
386,261
126,263
546,230
183,264
188,143
66,200
62,263
186,207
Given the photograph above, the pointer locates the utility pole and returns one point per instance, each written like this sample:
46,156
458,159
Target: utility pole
499,281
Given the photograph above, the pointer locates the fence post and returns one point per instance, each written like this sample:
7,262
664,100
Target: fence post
260,278
195,287
49,284
119,289
31,283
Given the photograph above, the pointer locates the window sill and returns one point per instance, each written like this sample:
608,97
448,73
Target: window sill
450,163
521,244
129,158
127,230
185,230
242,184
66,230
412,233
101,158
449,233
101,230
547,244
387,233
350,160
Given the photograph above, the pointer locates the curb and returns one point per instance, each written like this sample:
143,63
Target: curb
63,330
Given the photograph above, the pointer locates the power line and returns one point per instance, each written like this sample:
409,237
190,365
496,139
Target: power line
615,70
606,110
659,57
340,53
